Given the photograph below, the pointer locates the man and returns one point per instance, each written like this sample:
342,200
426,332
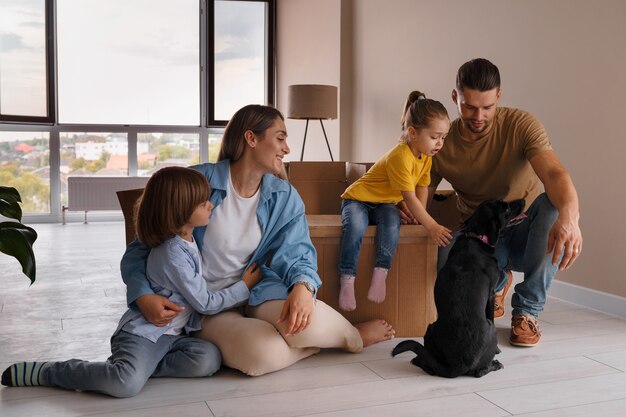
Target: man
504,153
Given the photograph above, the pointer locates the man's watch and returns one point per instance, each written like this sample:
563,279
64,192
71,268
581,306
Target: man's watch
307,284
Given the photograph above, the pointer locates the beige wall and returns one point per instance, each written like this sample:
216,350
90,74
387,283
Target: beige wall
308,52
562,60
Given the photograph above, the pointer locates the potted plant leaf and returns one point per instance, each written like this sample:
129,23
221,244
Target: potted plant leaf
16,239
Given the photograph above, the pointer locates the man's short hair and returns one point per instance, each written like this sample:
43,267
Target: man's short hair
478,74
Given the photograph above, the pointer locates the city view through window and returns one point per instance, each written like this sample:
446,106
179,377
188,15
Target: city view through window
25,159
25,165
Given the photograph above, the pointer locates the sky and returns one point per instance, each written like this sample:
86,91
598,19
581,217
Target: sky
130,61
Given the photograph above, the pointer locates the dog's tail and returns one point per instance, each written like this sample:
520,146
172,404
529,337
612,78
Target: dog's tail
424,359
407,345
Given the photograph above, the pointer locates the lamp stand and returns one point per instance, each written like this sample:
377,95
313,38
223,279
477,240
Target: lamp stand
306,128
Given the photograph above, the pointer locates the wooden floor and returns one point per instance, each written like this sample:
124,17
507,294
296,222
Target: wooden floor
577,370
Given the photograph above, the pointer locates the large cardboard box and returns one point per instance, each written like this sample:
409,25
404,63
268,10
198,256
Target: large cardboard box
409,305
320,184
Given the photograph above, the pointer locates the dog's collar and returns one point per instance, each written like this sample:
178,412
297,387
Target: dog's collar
516,220
482,238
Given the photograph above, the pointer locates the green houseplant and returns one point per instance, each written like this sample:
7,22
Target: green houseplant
16,239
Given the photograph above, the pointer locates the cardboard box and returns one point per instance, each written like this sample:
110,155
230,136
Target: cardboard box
320,184
409,305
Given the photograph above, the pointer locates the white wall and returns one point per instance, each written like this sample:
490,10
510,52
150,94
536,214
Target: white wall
562,60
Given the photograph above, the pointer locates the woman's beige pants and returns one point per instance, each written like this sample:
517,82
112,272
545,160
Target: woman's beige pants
255,344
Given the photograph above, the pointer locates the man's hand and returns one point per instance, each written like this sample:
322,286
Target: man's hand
298,309
565,237
157,309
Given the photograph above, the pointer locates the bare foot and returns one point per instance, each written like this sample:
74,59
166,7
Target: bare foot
375,331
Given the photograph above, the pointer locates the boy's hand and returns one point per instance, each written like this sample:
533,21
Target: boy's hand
252,276
441,235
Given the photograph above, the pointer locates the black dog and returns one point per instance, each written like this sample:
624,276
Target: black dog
463,339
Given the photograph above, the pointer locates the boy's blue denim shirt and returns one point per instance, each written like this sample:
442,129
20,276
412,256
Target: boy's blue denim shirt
285,252
174,272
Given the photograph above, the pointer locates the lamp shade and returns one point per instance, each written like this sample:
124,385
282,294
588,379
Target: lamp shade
312,101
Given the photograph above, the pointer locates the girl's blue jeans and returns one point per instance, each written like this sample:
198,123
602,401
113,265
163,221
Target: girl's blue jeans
133,360
522,248
355,217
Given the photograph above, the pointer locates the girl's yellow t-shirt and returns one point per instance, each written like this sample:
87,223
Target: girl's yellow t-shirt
396,171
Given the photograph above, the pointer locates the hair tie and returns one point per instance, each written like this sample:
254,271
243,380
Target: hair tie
421,97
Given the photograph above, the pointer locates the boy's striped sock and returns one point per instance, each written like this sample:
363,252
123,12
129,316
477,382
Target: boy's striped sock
24,374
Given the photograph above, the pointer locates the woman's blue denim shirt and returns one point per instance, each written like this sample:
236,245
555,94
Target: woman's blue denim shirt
285,250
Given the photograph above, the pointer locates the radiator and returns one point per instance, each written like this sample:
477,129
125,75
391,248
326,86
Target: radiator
98,193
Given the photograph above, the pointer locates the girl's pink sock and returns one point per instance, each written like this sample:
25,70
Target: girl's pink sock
347,302
378,290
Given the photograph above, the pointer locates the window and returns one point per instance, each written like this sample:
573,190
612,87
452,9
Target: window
242,57
215,140
25,71
24,164
122,87
92,154
158,150
129,62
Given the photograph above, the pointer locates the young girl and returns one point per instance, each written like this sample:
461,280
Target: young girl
174,202
403,173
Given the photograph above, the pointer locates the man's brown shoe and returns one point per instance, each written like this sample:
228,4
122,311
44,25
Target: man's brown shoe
498,299
524,331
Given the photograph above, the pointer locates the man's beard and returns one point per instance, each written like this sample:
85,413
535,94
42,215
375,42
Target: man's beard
468,125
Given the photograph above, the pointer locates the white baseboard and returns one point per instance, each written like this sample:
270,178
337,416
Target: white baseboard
586,297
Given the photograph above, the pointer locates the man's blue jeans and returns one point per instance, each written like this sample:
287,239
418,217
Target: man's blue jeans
355,217
133,360
522,248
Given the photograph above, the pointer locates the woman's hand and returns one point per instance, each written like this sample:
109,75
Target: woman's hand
157,309
298,309
252,276
440,234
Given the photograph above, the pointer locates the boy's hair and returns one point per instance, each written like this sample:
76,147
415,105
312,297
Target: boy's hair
478,74
254,117
419,111
169,199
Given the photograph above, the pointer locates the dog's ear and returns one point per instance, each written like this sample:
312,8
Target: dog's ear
475,223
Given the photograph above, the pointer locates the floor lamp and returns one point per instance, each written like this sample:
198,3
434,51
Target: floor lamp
312,101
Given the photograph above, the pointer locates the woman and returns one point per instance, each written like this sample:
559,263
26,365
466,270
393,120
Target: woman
258,218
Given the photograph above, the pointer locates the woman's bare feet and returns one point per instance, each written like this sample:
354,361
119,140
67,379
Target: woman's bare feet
375,331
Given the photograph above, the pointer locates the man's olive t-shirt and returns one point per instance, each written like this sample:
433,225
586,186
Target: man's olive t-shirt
496,165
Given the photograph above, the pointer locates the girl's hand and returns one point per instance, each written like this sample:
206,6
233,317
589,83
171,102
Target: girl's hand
157,309
440,234
298,309
406,217
252,276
